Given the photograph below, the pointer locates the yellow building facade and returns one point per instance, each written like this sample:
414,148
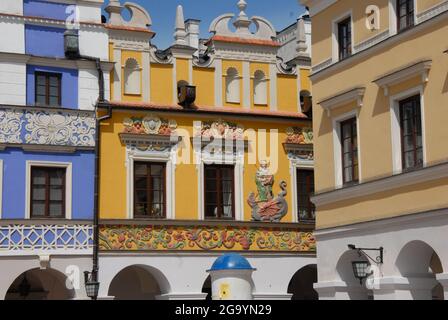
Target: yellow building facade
379,76
208,149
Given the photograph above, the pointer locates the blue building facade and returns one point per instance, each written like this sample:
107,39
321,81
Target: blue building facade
47,142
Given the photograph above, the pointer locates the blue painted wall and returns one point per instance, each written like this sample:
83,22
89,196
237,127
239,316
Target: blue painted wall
14,179
45,9
69,85
44,41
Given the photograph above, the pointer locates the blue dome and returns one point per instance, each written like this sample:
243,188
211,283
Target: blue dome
231,261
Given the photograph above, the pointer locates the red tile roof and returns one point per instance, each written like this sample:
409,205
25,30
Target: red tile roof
258,42
206,109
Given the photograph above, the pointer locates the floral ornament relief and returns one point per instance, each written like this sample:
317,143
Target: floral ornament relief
149,125
10,126
299,135
58,129
204,238
221,129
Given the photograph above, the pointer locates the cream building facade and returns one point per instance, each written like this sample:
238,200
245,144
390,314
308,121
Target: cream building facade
380,92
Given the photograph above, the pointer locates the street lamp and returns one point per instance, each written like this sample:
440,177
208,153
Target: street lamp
92,286
360,268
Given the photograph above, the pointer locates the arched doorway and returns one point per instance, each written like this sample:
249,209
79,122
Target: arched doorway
419,263
344,268
207,288
37,284
301,284
138,283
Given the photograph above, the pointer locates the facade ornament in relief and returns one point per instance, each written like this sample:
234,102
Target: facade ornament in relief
10,126
297,135
58,128
149,125
264,206
221,129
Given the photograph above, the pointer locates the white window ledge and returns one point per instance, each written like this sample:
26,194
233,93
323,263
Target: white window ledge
405,73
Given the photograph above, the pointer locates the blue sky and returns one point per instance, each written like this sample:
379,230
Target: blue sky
280,12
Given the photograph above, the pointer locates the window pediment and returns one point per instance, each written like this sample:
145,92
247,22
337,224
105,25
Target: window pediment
338,100
408,72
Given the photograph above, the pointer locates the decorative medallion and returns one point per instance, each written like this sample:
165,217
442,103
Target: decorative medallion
221,129
266,207
149,125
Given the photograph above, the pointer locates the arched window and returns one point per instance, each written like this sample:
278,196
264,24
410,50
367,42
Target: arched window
232,86
260,88
132,77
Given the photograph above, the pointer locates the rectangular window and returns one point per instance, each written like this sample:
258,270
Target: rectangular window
219,192
349,147
345,39
405,14
48,89
305,188
149,190
411,133
48,187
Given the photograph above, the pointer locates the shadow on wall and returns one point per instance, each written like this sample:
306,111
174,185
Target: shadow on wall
301,285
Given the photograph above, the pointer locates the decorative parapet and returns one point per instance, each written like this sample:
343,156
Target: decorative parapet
205,238
19,239
46,127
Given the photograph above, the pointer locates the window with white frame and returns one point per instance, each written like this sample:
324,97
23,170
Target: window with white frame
306,210
346,150
260,88
49,190
150,183
232,86
132,77
408,130
1,187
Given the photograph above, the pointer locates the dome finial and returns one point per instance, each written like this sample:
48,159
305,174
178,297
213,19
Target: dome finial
242,23
180,33
242,5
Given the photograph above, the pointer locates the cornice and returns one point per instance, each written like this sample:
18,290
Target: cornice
420,68
52,62
340,99
434,172
47,21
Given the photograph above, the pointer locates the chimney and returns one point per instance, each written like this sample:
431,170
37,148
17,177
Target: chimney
192,27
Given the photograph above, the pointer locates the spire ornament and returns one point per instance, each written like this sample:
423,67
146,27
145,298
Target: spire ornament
243,22
180,33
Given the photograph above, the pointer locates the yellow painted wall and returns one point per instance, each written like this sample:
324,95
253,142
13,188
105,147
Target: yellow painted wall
238,65
423,5
375,122
287,94
305,82
125,55
161,83
113,186
254,67
204,80
182,70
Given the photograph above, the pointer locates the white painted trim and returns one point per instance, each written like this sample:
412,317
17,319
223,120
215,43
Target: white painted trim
273,87
146,76
238,162
1,188
190,71
174,86
294,165
169,158
117,75
337,150
246,84
334,35
431,12
68,185
218,83
393,17
395,126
